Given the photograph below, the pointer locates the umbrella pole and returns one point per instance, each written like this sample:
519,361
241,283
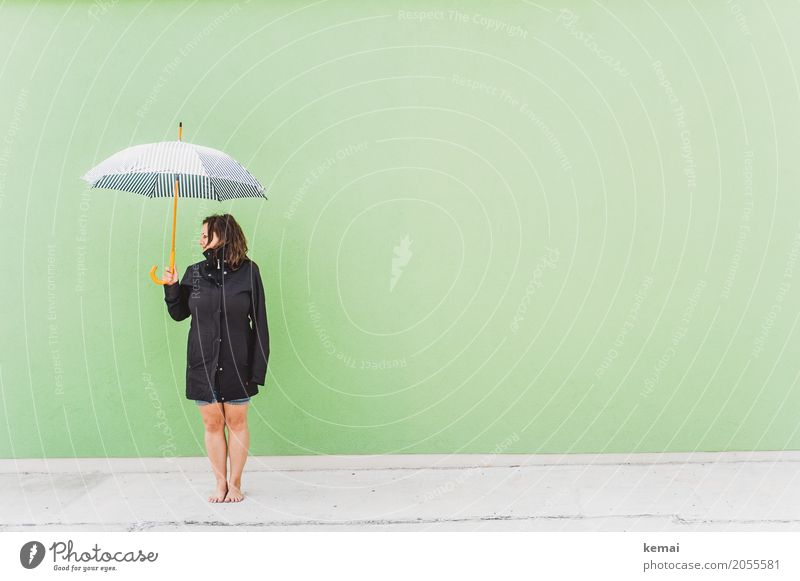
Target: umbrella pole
175,207
174,221
174,224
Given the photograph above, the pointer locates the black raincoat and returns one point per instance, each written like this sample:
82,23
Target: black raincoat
228,347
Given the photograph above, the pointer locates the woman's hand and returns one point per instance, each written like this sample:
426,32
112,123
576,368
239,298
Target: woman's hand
170,275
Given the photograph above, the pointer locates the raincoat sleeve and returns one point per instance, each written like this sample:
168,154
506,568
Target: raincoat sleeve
177,298
259,329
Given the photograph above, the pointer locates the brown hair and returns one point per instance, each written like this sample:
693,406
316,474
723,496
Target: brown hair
225,227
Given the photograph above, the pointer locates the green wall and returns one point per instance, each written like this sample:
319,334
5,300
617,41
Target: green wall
492,227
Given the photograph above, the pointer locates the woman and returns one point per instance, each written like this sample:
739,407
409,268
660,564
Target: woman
228,345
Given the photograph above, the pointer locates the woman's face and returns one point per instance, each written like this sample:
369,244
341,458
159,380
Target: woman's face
205,244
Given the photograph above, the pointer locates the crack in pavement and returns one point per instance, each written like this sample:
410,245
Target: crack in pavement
420,468
146,525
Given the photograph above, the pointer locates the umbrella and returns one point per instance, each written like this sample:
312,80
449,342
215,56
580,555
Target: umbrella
173,168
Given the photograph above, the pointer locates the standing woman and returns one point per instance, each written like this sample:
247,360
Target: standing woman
228,345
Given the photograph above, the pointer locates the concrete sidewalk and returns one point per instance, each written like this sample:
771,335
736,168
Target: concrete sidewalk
733,491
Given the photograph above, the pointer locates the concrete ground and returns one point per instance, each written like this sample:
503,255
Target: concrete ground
733,491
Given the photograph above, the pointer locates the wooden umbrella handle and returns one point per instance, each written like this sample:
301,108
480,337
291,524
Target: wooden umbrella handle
174,224
172,251
154,277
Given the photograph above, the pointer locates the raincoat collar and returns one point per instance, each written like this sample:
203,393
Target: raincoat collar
215,258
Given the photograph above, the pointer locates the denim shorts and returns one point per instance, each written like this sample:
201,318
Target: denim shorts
232,402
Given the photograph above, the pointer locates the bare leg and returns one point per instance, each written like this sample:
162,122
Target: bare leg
238,444
216,447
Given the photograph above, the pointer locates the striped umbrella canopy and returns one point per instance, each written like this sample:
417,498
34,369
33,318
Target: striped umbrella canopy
151,170
173,169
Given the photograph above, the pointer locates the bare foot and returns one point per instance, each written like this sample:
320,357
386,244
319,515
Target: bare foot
219,493
234,494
